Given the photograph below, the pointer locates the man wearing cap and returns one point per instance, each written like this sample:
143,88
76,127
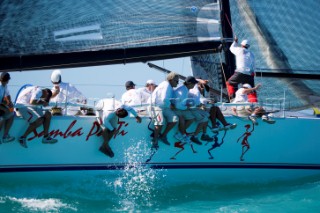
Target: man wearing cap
161,109
183,103
145,92
6,108
29,105
131,97
63,92
245,66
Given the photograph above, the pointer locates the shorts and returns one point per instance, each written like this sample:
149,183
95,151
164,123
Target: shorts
6,116
243,111
159,115
186,114
239,77
30,114
200,115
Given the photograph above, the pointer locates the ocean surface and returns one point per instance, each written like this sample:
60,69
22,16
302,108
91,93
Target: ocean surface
141,190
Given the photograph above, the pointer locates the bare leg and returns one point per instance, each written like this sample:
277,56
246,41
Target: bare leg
188,123
182,127
204,127
200,127
46,123
33,126
215,113
107,135
157,131
7,126
1,124
168,128
105,148
259,111
220,116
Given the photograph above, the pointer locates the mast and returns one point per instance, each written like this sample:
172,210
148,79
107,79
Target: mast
227,32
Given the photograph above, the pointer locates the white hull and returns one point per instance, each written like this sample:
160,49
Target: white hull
289,149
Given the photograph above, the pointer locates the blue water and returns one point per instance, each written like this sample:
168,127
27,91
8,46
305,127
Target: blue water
141,190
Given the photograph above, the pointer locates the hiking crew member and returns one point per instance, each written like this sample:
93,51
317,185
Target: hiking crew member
245,66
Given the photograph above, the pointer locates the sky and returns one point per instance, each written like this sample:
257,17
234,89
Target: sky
101,81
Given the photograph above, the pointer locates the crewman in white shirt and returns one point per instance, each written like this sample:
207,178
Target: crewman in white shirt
183,102
131,97
29,105
63,92
245,67
161,109
6,108
145,92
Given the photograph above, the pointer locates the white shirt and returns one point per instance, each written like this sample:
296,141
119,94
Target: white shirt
68,93
106,111
195,94
145,94
181,97
162,95
244,59
29,94
131,98
240,96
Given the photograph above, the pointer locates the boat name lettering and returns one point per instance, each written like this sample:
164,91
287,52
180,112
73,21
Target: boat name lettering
122,132
69,132
54,133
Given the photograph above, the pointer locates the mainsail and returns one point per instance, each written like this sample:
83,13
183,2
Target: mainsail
47,34
283,36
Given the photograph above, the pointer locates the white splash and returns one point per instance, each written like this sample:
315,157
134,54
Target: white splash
43,205
138,183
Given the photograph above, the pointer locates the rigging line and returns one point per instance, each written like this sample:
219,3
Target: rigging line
285,69
224,75
183,66
229,23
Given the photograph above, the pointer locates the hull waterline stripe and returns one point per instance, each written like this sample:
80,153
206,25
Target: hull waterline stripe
92,167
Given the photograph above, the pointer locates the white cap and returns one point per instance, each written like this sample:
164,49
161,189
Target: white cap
56,77
245,43
150,82
247,86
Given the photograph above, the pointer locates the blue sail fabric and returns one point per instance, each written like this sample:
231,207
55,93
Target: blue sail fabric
283,36
53,27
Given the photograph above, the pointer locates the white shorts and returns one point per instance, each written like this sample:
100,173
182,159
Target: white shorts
31,114
159,115
200,115
243,111
5,116
186,114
